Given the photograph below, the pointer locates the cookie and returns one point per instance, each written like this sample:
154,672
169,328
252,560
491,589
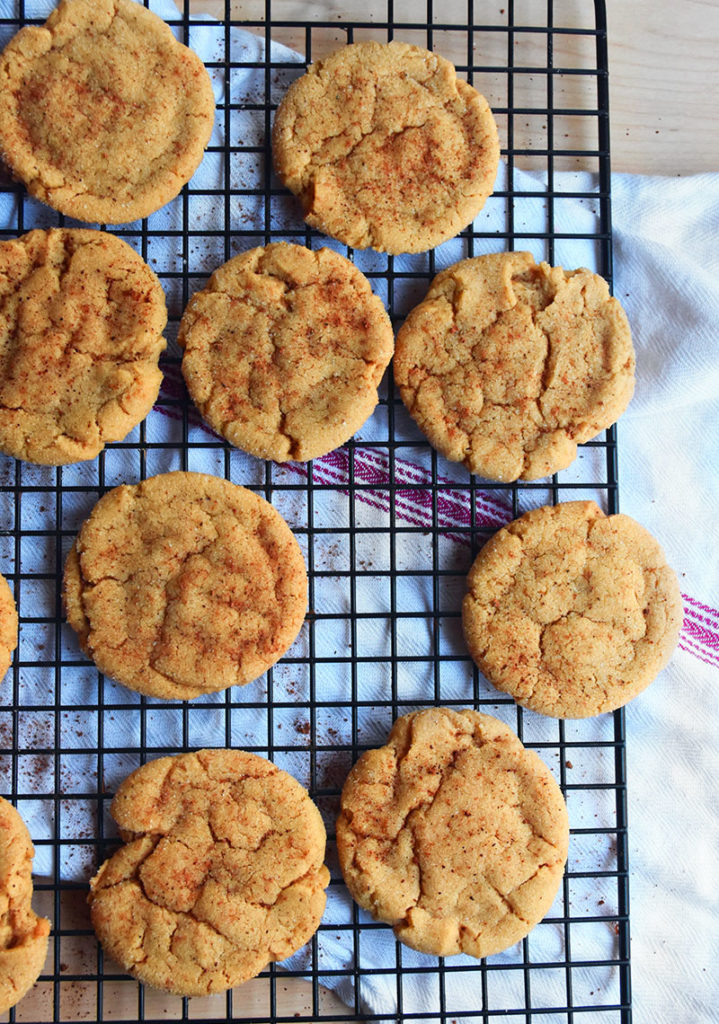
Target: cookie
184,584
80,338
284,350
570,611
507,364
8,626
222,873
23,935
103,114
453,833
386,147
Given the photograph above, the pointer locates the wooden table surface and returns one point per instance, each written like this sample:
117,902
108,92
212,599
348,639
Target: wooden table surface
663,66
664,85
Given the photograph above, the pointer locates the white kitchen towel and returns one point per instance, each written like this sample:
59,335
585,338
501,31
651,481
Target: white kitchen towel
666,277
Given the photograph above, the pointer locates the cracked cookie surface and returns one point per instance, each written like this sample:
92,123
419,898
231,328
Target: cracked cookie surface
453,833
8,626
284,351
185,584
103,114
386,147
81,322
23,935
570,611
222,873
507,365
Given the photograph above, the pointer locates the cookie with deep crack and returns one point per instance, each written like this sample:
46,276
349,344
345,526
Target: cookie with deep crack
284,350
453,833
570,611
8,626
185,584
23,935
386,147
80,338
222,874
103,114
507,365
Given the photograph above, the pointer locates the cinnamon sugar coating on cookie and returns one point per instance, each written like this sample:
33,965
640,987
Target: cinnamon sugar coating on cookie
453,833
80,338
284,351
185,584
570,611
23,935
507,365
8,626
386,147
103,114
222,872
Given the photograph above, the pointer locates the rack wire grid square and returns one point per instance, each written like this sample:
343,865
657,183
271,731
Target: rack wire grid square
388,529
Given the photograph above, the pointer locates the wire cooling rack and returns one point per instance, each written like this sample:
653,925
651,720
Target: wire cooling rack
389,530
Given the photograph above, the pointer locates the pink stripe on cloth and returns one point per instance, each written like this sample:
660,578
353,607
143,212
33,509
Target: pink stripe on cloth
453,506
193,419
713,614
698,652
173,387
696,627
407,510
407,472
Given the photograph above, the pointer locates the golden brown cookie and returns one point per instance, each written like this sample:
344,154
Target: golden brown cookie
507,364
386,147
185,584
103,114
453,833
8,626
570,611
23,935
284,350
80,338
222,873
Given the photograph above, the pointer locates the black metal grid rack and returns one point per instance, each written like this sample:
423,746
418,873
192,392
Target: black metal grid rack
388,528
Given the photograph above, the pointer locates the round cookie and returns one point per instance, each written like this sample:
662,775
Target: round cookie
184,584
23,935
386,147
570,611
103,114
453,833
284,351
8,626
507,364
222,873
80,338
